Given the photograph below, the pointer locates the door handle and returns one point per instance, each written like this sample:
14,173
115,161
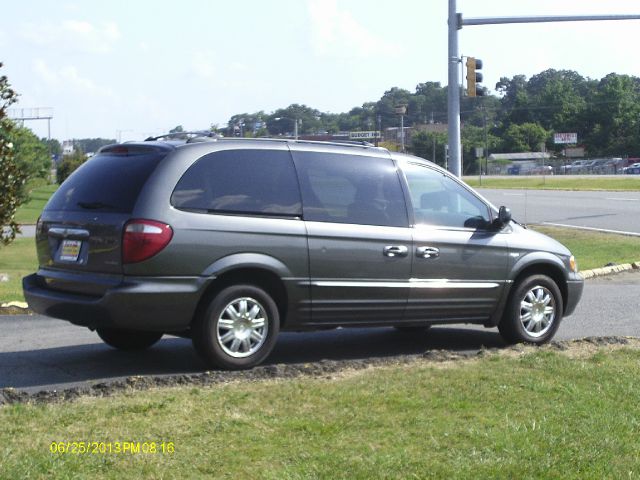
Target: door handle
427,252
395,251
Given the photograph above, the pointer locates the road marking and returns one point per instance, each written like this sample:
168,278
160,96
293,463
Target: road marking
603,230
618,199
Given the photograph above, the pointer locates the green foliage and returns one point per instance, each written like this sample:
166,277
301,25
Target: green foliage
526,137
92,145
69,164
425,144
526,112
12,176
31,154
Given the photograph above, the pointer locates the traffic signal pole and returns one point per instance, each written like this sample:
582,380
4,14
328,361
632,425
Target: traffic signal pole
453,93
456,22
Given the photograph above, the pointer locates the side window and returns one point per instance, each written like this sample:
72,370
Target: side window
240,181
350,189
439,200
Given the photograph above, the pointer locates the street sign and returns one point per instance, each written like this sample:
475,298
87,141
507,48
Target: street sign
373,134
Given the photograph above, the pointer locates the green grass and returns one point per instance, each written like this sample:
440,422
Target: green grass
542,415
39,194
621,183
595,249
16,260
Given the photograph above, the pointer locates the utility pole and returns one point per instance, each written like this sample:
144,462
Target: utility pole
456,22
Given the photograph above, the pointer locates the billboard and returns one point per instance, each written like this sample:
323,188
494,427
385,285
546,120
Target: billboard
565,138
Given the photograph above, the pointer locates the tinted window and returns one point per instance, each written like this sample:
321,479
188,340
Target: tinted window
240,181
109,181
439,200
350,189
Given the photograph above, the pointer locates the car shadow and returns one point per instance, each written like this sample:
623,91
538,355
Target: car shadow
88,364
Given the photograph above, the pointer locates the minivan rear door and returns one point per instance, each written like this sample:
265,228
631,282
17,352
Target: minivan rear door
359,240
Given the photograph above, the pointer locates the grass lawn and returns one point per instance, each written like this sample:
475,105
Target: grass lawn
16,260
541,415
595,249
621,182
39,194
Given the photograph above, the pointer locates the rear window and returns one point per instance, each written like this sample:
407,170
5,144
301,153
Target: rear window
108,182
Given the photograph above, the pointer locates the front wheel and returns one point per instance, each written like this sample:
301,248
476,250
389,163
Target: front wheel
128,339
238,329
533,312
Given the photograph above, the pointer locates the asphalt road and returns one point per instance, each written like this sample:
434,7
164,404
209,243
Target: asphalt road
39,353
605,210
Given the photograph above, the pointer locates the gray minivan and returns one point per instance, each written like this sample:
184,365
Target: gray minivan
229,241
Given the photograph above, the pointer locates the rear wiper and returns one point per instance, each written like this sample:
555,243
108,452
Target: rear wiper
95,205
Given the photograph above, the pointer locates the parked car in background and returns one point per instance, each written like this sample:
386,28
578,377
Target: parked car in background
541,170
577,166
632,169
229,241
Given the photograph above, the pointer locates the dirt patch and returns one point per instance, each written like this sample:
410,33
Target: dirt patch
323,369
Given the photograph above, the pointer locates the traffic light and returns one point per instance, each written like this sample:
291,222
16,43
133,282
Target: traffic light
474,77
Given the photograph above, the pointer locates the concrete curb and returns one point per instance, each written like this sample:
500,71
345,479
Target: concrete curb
612,270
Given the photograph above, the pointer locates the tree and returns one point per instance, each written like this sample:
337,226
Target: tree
524,138
30,153
423,144
613,118
12,178
69,164
92,145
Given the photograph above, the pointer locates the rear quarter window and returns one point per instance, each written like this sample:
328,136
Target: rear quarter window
258,182
108,181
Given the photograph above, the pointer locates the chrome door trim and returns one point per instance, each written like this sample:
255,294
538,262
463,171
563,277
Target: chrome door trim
412,283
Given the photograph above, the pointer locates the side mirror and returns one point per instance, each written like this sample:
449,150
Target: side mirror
504,217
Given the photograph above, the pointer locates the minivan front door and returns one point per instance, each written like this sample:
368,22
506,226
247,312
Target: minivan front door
359,237
459,262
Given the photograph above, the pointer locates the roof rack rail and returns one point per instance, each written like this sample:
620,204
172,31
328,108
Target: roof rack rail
183,135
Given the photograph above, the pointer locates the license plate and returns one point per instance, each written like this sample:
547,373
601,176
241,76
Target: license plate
70,250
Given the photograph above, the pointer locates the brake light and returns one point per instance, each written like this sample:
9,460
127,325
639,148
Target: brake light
143,239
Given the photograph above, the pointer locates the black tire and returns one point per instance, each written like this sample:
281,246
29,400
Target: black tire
540,298
128,339
246,343
413,328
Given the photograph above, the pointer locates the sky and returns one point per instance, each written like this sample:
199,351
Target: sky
130,69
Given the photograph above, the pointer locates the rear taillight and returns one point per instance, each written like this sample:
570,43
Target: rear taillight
143,239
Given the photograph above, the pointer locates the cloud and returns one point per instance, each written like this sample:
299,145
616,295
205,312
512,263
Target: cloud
203,64
336,32
73,35
69,78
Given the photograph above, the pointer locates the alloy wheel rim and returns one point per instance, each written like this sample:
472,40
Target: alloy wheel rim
537,311
242,327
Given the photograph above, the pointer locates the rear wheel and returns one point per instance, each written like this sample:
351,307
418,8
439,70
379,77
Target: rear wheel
128,339
533,312
238,329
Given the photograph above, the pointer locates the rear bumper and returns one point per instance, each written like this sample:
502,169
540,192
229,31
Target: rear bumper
574,293
163,304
